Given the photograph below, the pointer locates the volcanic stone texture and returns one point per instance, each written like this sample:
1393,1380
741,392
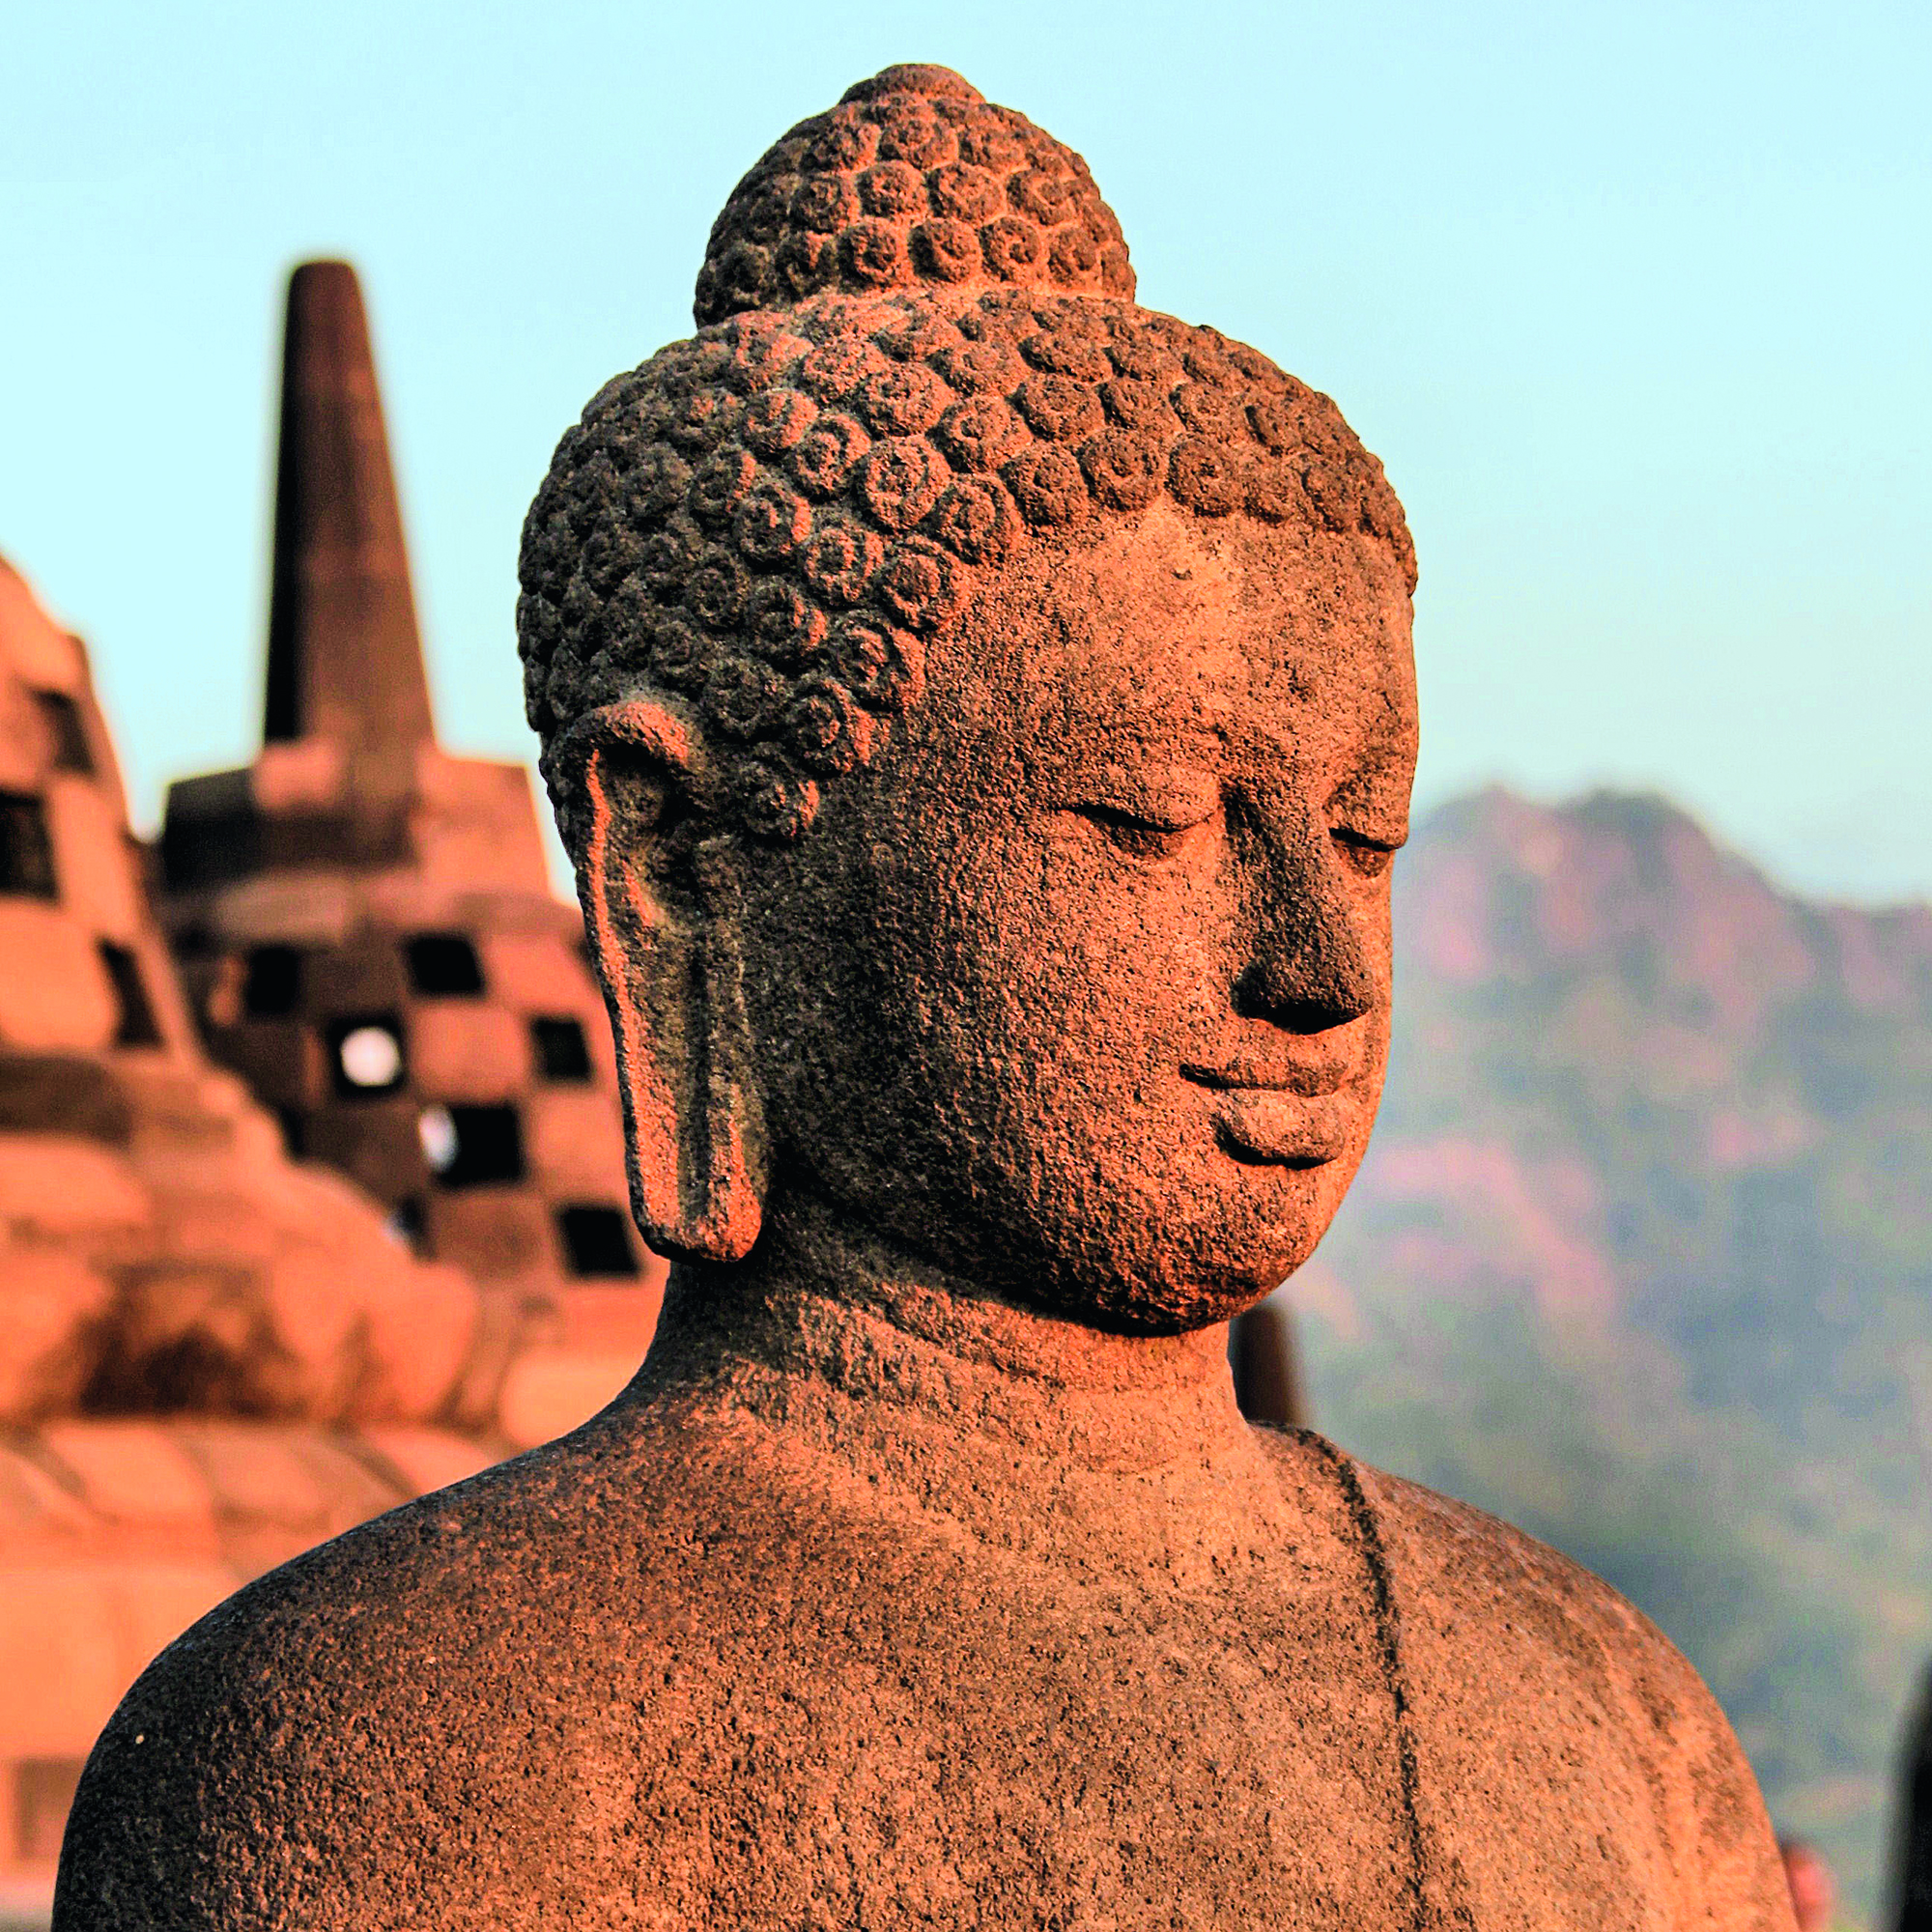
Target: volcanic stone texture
366,930
913,178
773,518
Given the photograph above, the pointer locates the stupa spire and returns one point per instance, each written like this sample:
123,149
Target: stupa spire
345,657
366,923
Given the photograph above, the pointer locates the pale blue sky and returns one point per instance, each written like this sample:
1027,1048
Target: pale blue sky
1631,298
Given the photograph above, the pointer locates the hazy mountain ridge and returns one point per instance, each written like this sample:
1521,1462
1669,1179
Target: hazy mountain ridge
1641,1259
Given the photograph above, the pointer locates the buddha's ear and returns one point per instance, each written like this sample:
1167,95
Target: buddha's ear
659,882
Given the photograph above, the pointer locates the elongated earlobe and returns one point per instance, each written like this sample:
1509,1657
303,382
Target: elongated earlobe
662,907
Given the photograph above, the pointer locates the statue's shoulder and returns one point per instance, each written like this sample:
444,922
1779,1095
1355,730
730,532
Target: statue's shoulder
524,1545
334,1715
1461,1576
1457,1572
1531,1679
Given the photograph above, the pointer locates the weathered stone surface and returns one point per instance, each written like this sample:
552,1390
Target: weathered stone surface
53,993
829,1683
982,719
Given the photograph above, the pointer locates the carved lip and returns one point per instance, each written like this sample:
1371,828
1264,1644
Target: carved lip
1312,1079
1276,1126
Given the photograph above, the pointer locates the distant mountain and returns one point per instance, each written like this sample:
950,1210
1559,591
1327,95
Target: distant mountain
1641,1259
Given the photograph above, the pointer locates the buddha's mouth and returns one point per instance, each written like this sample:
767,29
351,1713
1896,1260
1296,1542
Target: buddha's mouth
1278,1126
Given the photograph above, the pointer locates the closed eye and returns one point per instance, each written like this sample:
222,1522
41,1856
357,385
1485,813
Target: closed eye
1369,858
1144,838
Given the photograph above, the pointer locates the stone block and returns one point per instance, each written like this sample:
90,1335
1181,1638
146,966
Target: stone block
300,774
280,1060
539,973
499,1234
39,1514
301,1481
133,1472
39,650
475,825
364,974
376,1143
62,1659
354,1487
92,859
43,1790
54,992
383,1340
427,1459
549,1392
191,1336
202,1216
576,1144
63,1188
609,1319
23,760
55,1303
74,1637
310,908
66,1094
466,1050
257,1472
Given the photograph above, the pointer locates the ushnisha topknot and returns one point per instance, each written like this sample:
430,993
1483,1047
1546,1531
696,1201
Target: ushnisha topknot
913,178
767,522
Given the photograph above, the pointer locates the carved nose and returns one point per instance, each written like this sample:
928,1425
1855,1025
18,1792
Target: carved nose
1309,968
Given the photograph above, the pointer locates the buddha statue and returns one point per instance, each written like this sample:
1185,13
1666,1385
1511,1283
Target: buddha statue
981,714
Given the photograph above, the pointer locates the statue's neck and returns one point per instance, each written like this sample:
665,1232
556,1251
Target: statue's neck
948,1396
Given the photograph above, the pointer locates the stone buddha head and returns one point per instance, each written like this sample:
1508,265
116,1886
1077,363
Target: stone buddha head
981,715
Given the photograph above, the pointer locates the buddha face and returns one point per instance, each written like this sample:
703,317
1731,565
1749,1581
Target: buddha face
1080,989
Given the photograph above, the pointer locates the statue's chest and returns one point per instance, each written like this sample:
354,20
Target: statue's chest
837,1729
947,1738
